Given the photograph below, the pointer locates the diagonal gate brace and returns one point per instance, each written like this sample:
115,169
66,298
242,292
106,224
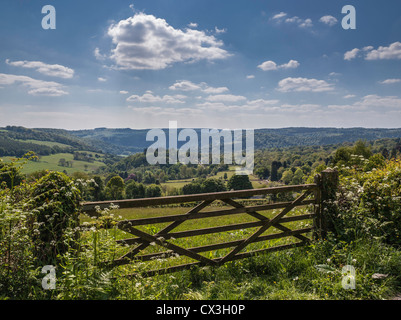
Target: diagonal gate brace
262,229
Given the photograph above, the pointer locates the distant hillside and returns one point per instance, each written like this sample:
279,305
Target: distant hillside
18,140
127,141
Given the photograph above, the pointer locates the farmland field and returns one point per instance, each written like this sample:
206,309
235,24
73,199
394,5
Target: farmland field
51,163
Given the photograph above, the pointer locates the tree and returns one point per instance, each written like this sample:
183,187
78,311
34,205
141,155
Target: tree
134,190
274,171
262,172
287,176
152,191
360,148
239,182
115,188
213,185
193,187
98,188
62,162
298,175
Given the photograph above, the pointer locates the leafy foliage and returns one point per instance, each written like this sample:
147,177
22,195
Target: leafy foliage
55,201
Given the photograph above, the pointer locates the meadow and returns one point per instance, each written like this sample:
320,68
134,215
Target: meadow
51,162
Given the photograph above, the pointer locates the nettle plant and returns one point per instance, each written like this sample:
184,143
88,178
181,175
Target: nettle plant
369,203
55,200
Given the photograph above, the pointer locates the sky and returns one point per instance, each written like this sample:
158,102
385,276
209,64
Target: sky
203,63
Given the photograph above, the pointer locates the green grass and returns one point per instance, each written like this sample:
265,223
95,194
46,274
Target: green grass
51,163
284,275
291,274
176,183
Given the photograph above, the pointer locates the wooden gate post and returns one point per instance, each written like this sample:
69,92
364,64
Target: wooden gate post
317,221
327,208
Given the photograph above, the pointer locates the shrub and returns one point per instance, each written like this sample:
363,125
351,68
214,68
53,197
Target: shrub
369,204
239,182
55,201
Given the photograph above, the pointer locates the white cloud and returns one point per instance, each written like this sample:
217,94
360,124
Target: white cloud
225,98
262,102
148,97
212,90
124,92
304,85
367,48
37,87
374,100
53,70
349,96
292,64
217,30
186,85
299,107
392,52
370,102
192,25
271,65
50,92
279,16
268,65
163,111
258,106
100,79
98,55
302,23
329,20
390,81
146,42
250,76
352,54
385,53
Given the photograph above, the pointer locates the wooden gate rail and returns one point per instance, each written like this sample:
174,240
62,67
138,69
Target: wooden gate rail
142,240
89,207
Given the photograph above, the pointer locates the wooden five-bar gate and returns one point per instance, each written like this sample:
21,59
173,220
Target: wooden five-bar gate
314,194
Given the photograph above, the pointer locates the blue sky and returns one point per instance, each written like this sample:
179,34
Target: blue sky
202,63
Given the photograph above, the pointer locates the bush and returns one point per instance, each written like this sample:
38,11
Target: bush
239,182
369,204
55,200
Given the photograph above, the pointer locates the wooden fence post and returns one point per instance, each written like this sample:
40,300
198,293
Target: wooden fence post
328,208
317,221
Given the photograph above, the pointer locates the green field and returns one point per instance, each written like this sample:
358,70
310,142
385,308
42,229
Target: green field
178,184
51,163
